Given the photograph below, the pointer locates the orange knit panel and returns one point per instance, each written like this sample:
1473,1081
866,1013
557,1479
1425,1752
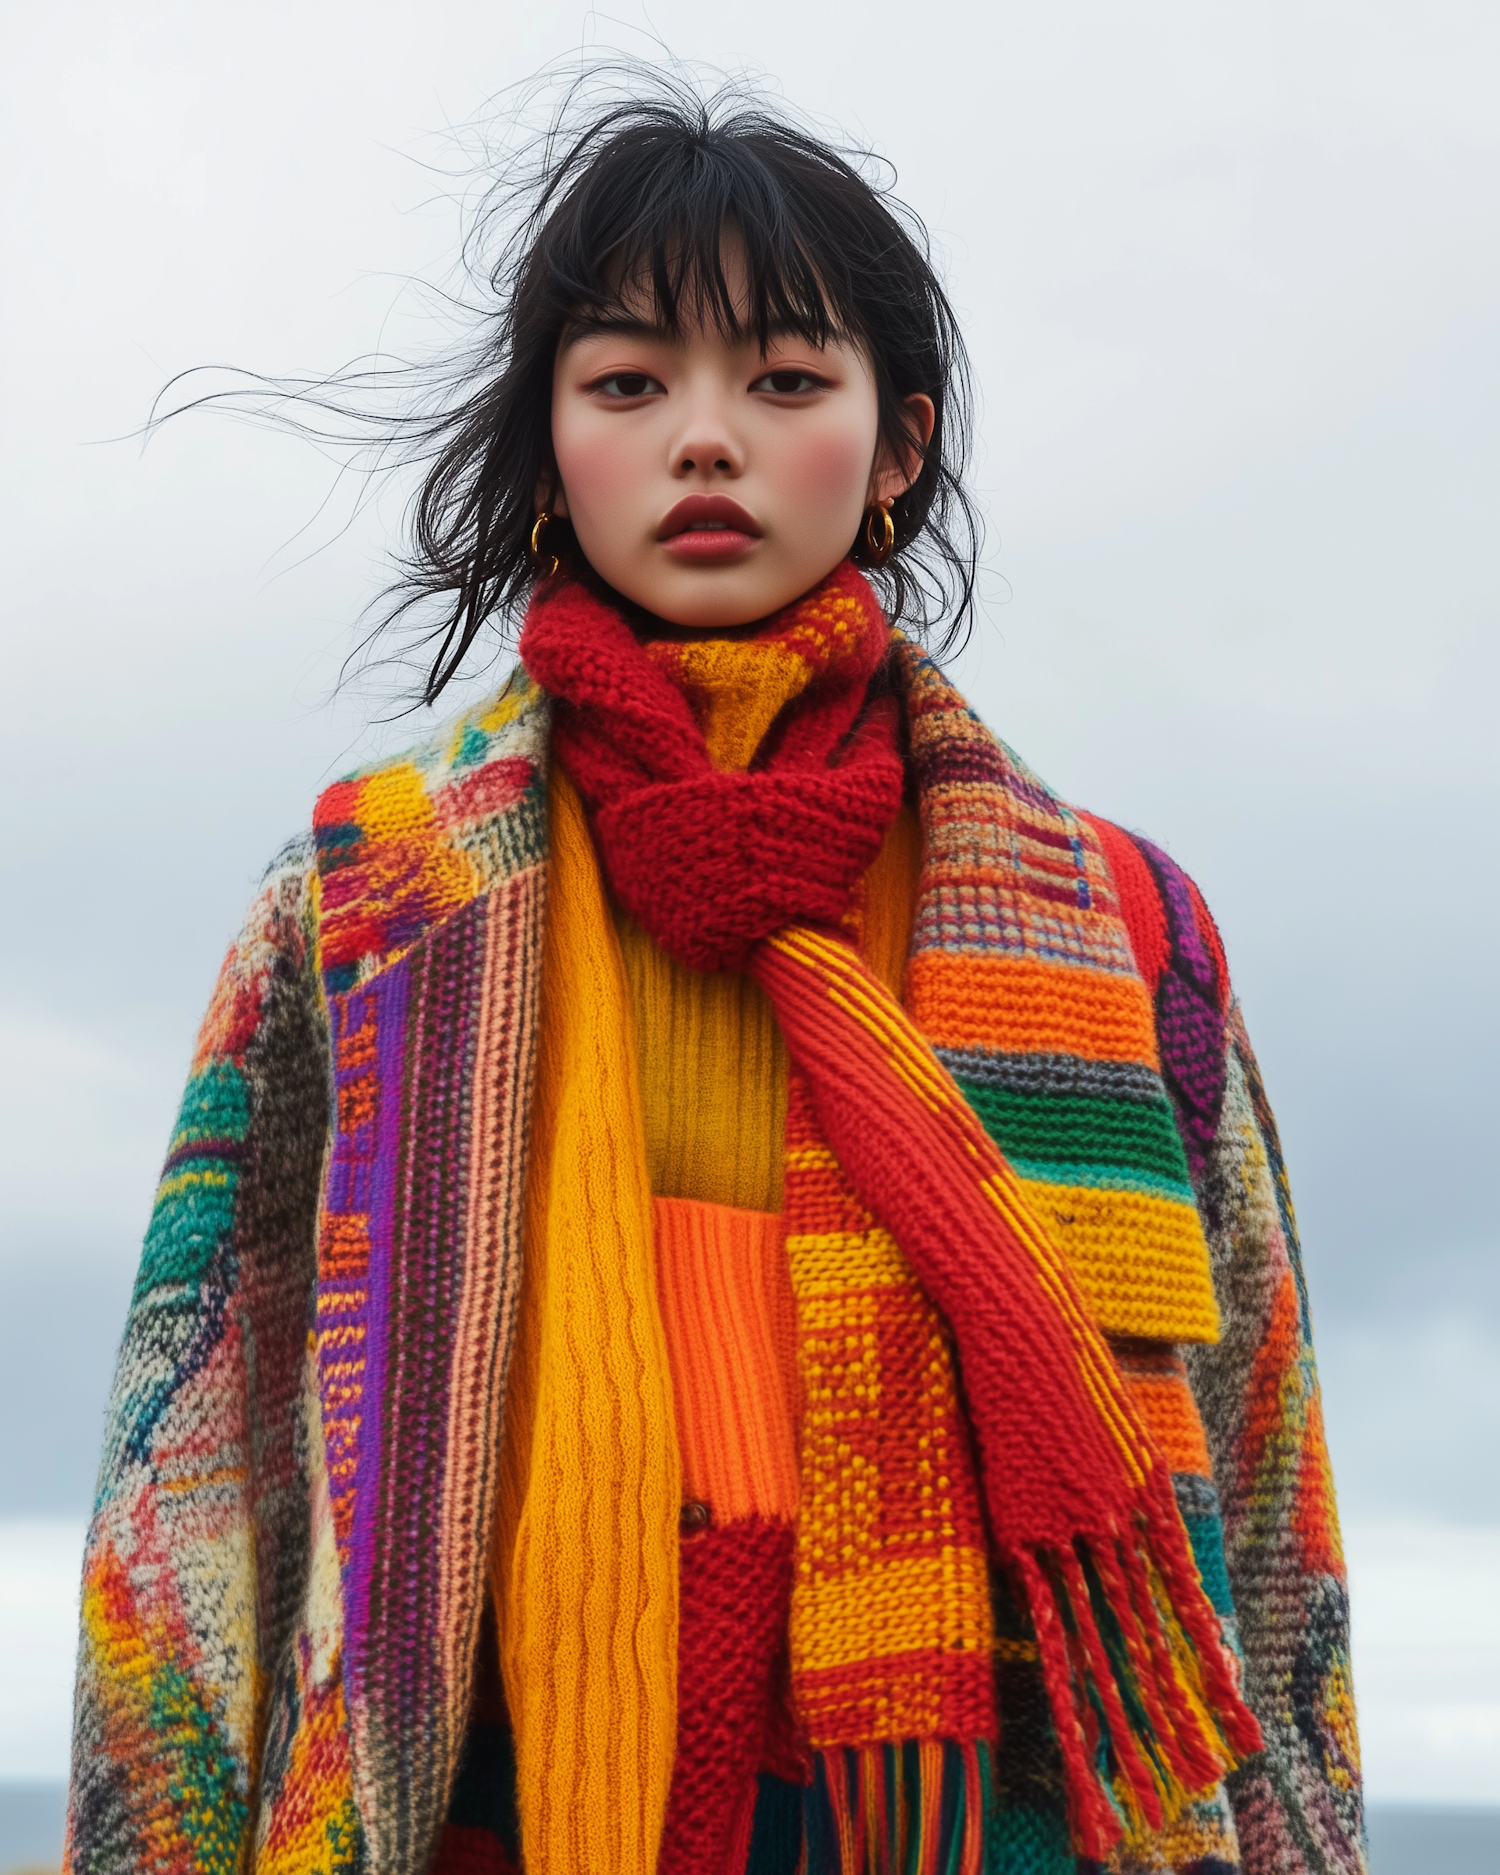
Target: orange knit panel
888,900
1157,1378
726,1306
1019,1006
1172,1420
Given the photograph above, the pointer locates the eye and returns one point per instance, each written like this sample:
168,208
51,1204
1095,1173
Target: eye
788,383
623,384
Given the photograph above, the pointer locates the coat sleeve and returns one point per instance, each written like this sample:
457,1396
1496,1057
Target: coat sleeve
1298,1804
198,1543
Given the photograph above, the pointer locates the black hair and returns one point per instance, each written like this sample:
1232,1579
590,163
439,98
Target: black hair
634,195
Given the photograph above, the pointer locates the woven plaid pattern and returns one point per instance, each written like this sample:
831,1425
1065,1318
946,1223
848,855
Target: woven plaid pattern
891,1626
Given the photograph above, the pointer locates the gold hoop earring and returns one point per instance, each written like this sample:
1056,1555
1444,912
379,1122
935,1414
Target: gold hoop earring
536,548
880,550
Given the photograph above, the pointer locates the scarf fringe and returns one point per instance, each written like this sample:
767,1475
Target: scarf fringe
912,1809
1144,1700
1133,1678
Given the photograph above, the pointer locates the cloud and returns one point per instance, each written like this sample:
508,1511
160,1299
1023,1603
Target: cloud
1426,1624
85,1123
40,1564
1413,1415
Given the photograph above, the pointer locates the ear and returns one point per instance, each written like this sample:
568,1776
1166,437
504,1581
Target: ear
551,495
891,479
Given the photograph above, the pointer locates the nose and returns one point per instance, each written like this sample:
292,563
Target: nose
706,445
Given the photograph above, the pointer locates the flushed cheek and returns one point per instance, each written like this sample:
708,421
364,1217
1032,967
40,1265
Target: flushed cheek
601,470
828,473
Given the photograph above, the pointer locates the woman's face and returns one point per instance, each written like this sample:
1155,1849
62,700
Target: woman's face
711,482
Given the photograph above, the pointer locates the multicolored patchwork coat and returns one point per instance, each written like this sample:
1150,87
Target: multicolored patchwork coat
283,1664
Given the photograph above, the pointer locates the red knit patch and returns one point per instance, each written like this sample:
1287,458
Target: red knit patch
465,1851
734,1599
1140,902
489,790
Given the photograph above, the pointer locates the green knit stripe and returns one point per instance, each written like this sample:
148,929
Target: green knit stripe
1071,1130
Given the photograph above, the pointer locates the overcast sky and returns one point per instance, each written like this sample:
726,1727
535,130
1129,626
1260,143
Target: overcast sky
1231,280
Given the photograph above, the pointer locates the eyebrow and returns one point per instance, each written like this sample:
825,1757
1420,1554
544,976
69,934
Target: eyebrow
615,325
621,325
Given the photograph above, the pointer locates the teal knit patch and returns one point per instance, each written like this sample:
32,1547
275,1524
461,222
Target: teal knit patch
215,1106
1023,1841
1206,1533
195,1202
193,1217
1098,1178
473,747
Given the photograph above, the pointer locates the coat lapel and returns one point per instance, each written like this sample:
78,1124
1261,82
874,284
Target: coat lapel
431,884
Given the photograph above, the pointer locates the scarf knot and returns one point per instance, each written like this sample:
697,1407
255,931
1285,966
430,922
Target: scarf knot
713,848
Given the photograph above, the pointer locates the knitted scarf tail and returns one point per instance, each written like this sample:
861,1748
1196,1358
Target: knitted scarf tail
907,1232
1080,1506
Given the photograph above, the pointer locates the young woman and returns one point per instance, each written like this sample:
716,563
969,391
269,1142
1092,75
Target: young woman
724,1296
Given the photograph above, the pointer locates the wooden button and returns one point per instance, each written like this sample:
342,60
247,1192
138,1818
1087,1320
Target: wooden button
695,1516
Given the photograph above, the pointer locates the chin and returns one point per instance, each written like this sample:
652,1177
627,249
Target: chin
714,599
710,618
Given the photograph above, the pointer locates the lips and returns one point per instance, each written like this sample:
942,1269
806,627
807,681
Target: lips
708,528
707,512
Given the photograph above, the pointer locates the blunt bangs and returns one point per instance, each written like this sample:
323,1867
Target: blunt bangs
652,226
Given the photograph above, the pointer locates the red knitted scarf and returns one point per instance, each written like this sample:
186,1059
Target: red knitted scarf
755,870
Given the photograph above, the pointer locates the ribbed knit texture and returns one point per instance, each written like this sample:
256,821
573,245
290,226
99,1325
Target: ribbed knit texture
727,1307
731,1328
713,1079
586,1536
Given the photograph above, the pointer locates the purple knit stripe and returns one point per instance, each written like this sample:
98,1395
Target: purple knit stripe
1189,1020
1190,955
387,998
402,1679
233,1150
1191,1033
